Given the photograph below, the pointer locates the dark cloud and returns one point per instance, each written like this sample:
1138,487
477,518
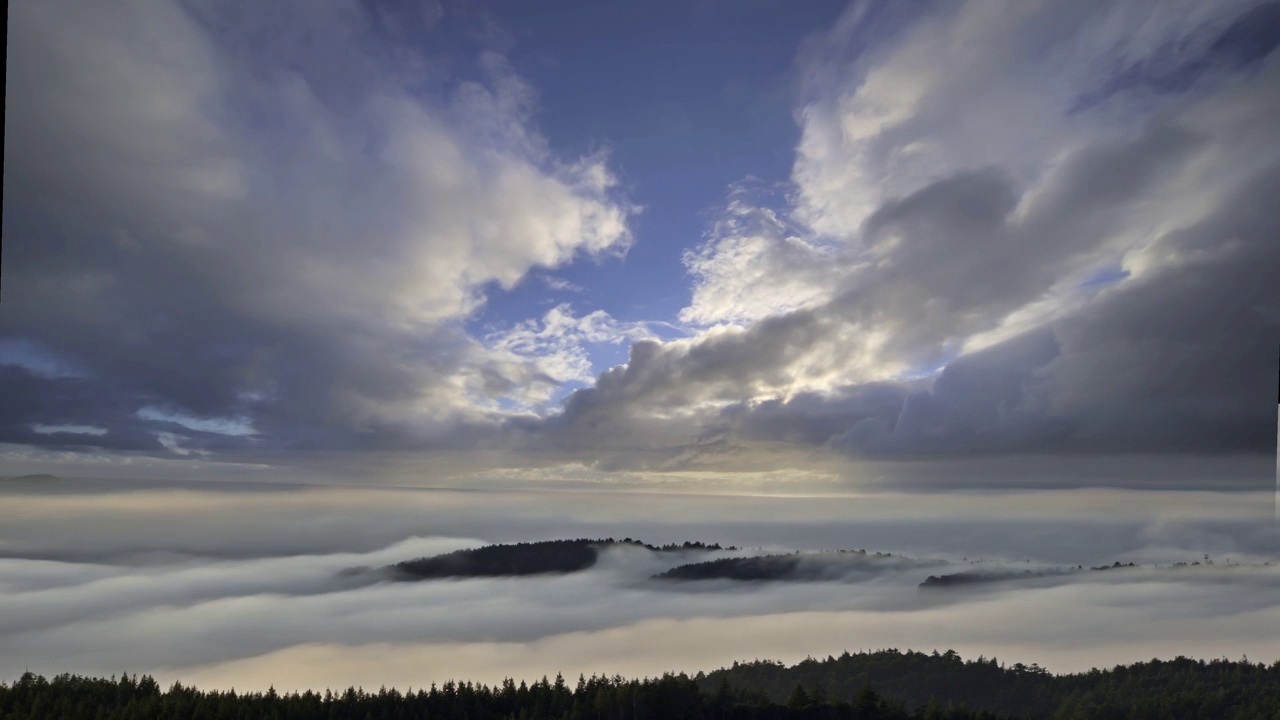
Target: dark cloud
1226,45
266,213
815,418
1179,358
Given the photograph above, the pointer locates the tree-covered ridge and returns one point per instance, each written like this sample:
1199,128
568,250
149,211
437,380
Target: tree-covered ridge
34,478
987,577
526,558
763,567
794,567
670,697
574,555
884,685
984,577
981,578
1177,689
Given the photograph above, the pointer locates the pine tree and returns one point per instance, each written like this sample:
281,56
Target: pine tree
798,697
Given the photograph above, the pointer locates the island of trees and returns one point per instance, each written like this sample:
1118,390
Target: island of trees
797,567
526,558
37,478
575,555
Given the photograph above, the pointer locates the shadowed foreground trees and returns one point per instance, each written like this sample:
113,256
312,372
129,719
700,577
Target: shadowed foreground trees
671,697
1180,688
885,685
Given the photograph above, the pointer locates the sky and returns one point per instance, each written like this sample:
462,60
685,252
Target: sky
652,237
983,277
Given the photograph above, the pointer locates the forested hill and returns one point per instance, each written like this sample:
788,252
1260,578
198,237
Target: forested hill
886,685
829,565
670,697
1180,688
533,558
575,555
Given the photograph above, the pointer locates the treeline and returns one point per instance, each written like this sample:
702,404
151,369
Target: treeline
526,558
1175,689
576,555
796,566
670,697
762,567
884,685
982,578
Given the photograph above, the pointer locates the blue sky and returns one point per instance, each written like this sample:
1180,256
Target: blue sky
687,99
716,237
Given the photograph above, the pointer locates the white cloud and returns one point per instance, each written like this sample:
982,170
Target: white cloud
75,429
958,183
560,284
541,356
753,265
223,426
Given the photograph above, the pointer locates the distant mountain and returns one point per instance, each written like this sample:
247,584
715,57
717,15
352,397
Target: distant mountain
36,478
535,558
978,578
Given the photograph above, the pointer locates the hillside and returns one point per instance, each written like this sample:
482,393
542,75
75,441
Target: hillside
36,478
1180,688
531,558
885,685
795,567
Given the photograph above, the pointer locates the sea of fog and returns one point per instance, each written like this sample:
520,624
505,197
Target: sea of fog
242,585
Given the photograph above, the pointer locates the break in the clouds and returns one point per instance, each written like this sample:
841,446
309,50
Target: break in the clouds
248,234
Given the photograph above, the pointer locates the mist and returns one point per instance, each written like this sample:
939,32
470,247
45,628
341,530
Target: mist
244,586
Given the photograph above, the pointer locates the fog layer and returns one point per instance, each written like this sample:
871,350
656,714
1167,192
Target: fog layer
242,586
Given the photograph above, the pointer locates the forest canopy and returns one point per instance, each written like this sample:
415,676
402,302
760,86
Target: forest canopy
526,558
886,684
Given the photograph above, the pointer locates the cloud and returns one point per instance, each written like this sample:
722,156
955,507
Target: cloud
1007,230
240,585
662,645
752,265
228,222
553,351
1002,269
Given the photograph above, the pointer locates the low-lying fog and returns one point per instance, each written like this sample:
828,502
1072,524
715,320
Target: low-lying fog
242,585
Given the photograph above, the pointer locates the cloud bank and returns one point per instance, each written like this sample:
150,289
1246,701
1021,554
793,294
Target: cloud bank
243,586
